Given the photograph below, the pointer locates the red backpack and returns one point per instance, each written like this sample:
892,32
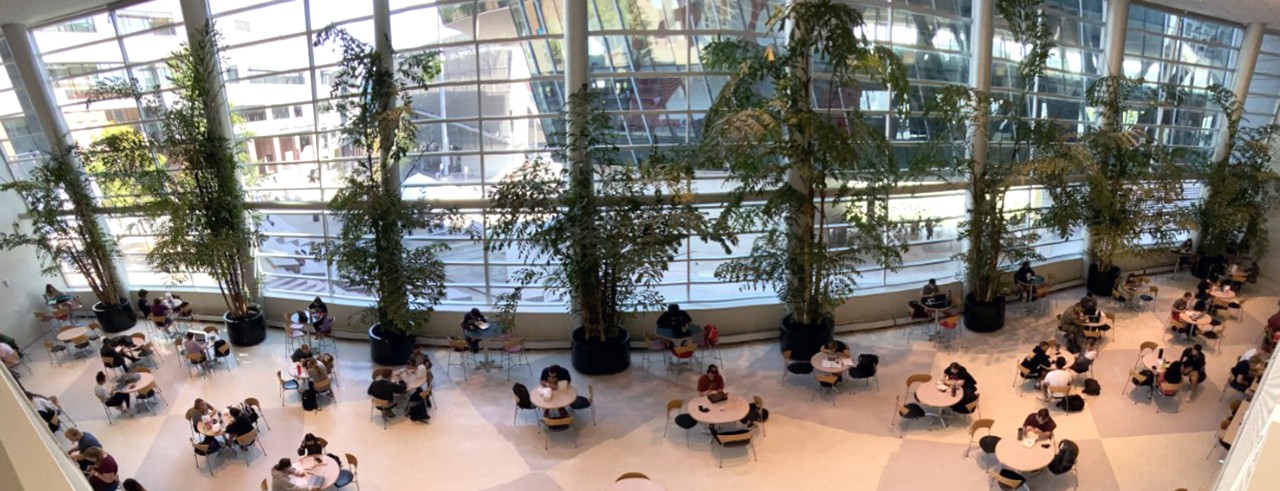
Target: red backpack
711,334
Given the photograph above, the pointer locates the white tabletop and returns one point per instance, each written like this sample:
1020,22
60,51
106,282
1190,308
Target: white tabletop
1150,360
298,371
1222,294
559,398
1229,434
143,380
73,333
214,427
317,465
727,411
1014,455
1066,355
929,395
636,484
845,362
410,380
1200,320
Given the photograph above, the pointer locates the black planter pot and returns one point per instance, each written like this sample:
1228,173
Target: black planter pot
246,332
389,348
983,316
115,318
595,357
805,340
1102,282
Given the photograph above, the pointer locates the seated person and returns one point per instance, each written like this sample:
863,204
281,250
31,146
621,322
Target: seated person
312,445
56,296
301,354
1069,321
932,296
1203,287
46,409
1084,360
199,409
83,441
1241,376
117,356
193,347
472,321
385,389
104,472
1186,248
552,375
417,357
711,382
1040,424
956,373
676,320
1193,363
323,324
1182,304
1022,277
1057,378
108,397
1089,305
836,346
1038,361
1172,375
316,372
240,423
159,309
282,475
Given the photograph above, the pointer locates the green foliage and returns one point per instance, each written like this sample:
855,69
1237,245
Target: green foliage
1243,187
186,177
369,252
1118,182
64,228
997,236
812,168
600,230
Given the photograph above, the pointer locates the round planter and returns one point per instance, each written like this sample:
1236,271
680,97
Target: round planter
1102,282
595,357
983,316
246,332
389,348
804,340
115,318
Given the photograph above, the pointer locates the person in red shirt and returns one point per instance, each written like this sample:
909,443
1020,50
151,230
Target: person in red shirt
711,382
103,476
1040,424
1273,324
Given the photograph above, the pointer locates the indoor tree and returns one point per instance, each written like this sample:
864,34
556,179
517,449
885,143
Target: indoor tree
1117,181
65,230
596,228
372,97
186,180
997,236
1242,186
800,163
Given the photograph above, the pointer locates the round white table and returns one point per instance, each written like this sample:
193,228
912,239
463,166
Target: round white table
559,398
636,484
214,427
819,358
1199,320
298,371
317,465
1150,360
1222,293
70,334
410,380
1066,355
1013,454
929,395
144,379
727,411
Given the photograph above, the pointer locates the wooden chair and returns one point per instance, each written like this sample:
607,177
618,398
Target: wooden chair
631,475
53,349
246,441
672,405
922,378
1004,482
44,319
223,352
347,478
110,366
980,424
652,347
95,331
684,355
147,394
198,361
381,406
81,344
1142,348
557,425
201,450
285,385
1136,379
1056,393
1164,387
514,355
458,347
826,385
252,402
745,439
786,366
54,400
380,373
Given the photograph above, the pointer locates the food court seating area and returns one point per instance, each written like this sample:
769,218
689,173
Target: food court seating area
822,428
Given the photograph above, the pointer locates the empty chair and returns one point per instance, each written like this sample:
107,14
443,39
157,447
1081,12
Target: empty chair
653,348
285,385
588,402
974,428
382,407
1142,349
323,387
245,443
915,379
56,351
1054,394
631,475
1007,479
676,405
514,355
147,394
222,352
556,425
904,413
82,344
522,401
761,414
459,349
347,477
826,385
734,439
684,356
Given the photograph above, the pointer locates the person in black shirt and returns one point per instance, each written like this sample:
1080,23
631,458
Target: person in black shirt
108,350
318,305
552,375
1089,305
240,423
386,390
957,372
1241,376
312,445
676,320
1193,364
303,353
471,321
1038,362
1026,291
144,305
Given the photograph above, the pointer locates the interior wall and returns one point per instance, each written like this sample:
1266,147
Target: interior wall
29,446
21,283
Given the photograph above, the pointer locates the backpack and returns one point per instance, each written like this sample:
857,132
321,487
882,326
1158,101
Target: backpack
418,407
1066,457
1091,387
309,400
1072,403
711,334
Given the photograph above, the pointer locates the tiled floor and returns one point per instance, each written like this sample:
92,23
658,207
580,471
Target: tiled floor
471,442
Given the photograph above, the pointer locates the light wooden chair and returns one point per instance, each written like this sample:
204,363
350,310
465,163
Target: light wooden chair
738,440
631,475
1163,387
1053,394
246,441
514,355
922,378
380,405
1136,379
1143,348
347,478
55,350
380,373
201,450
1004,482
324,387
826,385
458,347
557,425
147,394
672,405
257,406
786,366
980,424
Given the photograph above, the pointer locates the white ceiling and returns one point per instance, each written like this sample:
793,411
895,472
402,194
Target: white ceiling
32,12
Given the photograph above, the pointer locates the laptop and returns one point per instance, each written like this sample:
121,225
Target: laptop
717,397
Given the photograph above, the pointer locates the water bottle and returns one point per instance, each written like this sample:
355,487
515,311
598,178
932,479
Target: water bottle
1021,434
1160,354
953,391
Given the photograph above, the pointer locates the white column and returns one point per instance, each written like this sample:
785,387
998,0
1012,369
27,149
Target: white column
575,45
1249,50
1114,33
386,55
982,34
196,17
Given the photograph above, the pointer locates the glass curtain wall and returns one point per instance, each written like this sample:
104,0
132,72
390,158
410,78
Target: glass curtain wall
501,88
1264,87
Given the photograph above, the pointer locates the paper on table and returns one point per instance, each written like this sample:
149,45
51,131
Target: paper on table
482,325
544,392
1029,442
831,364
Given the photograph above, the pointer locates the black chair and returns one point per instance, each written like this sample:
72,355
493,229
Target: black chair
866,369
684,420
988,444
905,412
522,401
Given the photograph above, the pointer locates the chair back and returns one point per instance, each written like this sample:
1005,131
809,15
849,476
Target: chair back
195,358
919,377
321,385
280,377
734,439
380,373
353,462
971,407
758,400
711,334
223,349
457,344
264,485
786,357
147,390
1004,482
674,405
631,475
108,362
210,329
94,326
159,319
200,448
1155,290
137,369
591,393
48,344
685,350
826,379
380,403
1147,345
980,425
1138,378
1055,392
247,438
558,423
513,345
81,341
522,396
139,338
252,402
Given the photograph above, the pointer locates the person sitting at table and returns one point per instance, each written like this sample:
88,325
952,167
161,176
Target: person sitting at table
52,294
931,296
836,346
103,471
1204,286
193,347
312,445
241,423
1172,375
45,408
1023,277
1038,361
118,355
1070,320
552,375
316,372
1252,273
417,357
711,382
1241,376
199,409
301,354
1193,363
1040,424
83,441
282,475
1057,378
957,373
675,320
1089,305
385,389
318,306
1182,304
322,323
1085,359
471,322
1273,324
159,309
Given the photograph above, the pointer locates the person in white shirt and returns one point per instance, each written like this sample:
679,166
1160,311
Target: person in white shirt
1058,377
8,355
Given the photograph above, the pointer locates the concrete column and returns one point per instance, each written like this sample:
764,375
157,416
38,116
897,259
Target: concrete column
575,45
1114,34
1249,50
386,54
982,32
